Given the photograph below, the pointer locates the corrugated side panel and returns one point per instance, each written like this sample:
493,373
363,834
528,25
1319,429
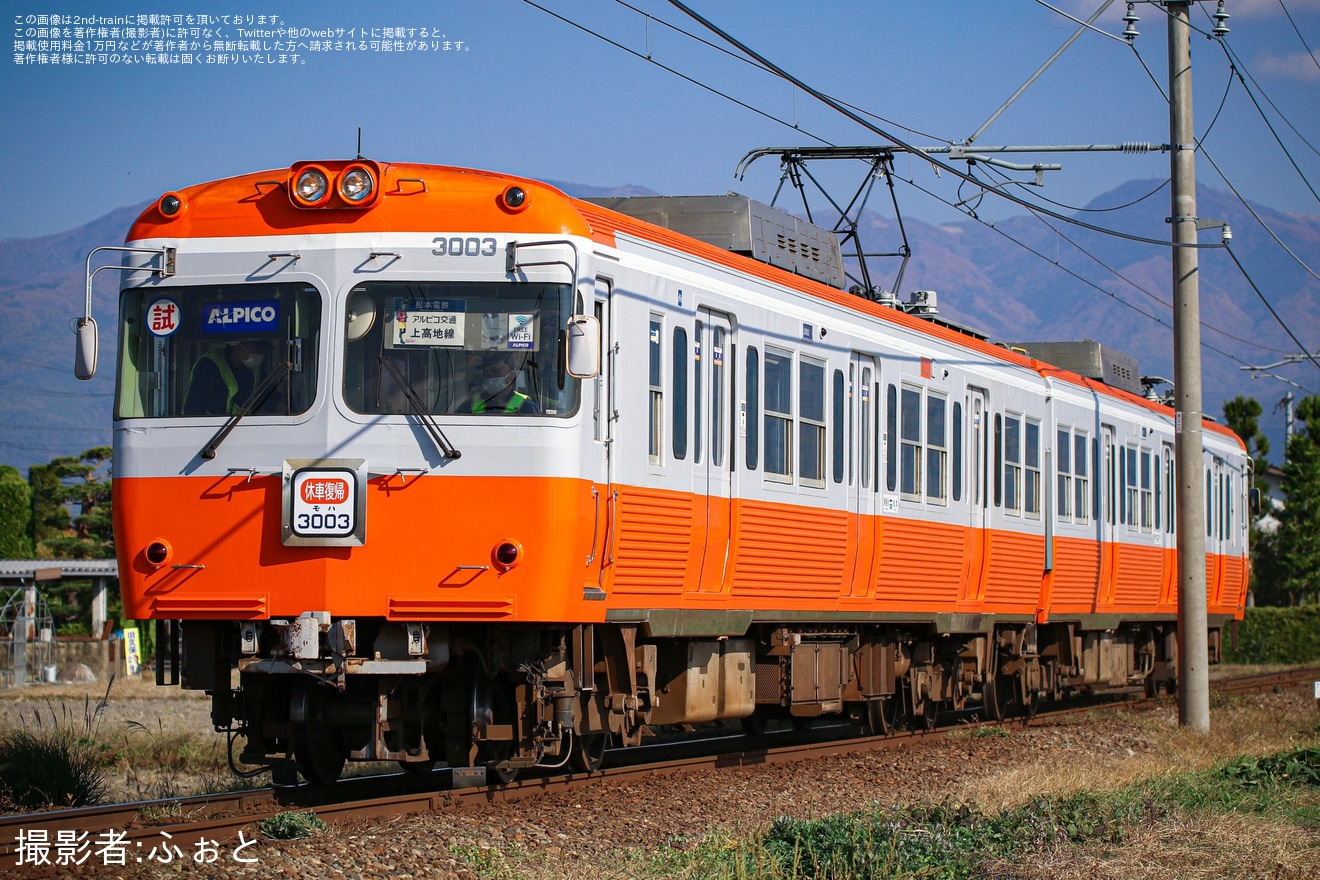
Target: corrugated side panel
1017,565
654,542
1235,579
921,563
1213,566
783,551
1139,578
1076,569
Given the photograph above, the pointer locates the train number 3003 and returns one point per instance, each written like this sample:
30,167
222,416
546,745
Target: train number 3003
463,247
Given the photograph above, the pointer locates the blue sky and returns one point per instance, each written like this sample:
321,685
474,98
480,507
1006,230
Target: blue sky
522,91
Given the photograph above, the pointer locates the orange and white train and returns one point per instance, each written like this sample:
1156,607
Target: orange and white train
725,488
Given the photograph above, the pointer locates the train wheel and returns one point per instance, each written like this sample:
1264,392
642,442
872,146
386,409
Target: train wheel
930,711
316,748
998,694
1030,706
881,716
589,751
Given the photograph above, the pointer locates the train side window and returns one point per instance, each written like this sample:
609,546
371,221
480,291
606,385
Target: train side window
1209,504
1158,483
1012,464
937,449
1170,475
957,451
910,444
1226,511
1132,488
1111,516
1081,479
864,418
891,438
1063,494
840,402
1031,458
717,392
655,418
752,414
697,412
680,393
778,415
1147,495
999,458
811,422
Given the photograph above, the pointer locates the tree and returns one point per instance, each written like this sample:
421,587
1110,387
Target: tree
1291,557
81,481
1242,415
15,515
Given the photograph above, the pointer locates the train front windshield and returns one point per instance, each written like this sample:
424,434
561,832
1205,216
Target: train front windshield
470,348
208,350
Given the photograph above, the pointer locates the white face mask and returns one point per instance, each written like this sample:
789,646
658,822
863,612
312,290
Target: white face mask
495,384
252,361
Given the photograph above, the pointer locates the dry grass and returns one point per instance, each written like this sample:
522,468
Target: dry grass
1206,846
1255,725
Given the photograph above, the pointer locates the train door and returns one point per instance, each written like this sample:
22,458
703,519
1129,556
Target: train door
979,458
1167,481
713,441
860,442
1108,521
601,467
1217,514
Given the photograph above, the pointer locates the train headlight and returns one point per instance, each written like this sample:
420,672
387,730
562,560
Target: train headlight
170,204
311,186
356,184
158,553
506,554
513,199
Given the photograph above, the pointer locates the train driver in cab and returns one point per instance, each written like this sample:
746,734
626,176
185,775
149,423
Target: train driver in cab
223,380
496,387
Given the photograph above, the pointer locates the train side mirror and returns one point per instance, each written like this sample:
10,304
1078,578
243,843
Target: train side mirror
583,338
1253,501
84,356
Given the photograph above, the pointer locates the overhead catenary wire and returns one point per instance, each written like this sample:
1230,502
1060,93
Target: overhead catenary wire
903,145
1233,65
1109,293
852,114
742,59
1201,148
1298,32
1149,294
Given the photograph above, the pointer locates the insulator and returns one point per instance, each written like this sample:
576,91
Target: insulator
1221,18
1131,32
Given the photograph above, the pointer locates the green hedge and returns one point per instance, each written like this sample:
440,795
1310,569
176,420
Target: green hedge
1275,635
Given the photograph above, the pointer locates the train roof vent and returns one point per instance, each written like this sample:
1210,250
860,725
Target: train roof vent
745,226
1091,359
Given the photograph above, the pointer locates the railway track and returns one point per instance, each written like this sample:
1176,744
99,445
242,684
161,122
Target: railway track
138,828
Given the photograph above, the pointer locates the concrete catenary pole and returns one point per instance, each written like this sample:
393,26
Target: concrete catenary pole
1193,654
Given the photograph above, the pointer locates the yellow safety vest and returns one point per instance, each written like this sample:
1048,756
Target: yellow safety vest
515,403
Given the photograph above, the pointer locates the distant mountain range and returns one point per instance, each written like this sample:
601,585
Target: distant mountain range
987,278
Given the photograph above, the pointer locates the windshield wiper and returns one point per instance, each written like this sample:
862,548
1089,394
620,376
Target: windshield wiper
415,402
259,395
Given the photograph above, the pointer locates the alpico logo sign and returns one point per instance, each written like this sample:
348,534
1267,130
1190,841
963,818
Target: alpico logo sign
241,317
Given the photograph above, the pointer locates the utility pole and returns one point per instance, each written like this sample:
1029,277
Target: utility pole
1193,650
